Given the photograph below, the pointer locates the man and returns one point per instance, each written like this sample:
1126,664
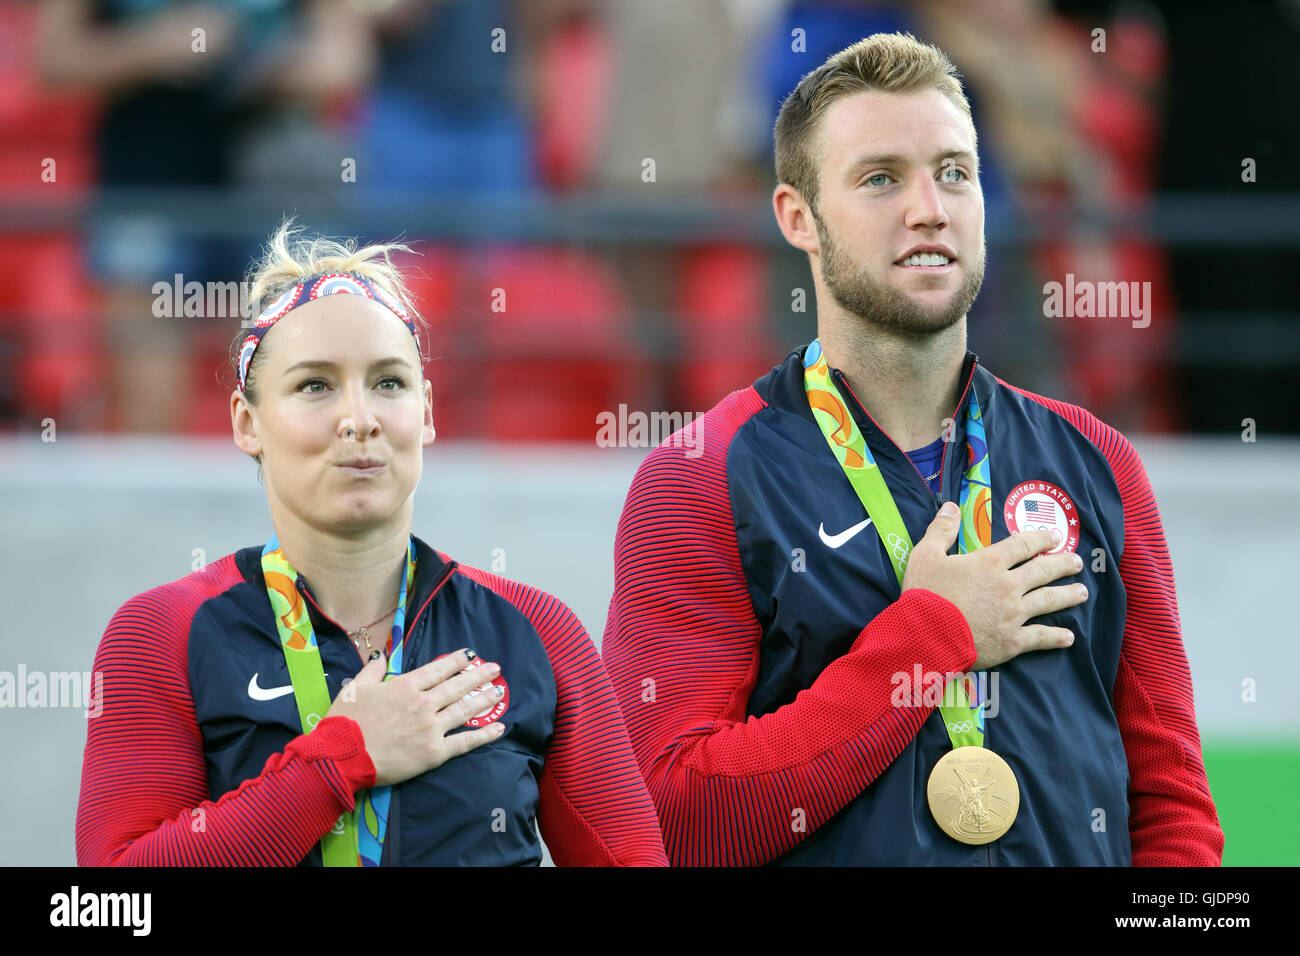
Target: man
796,677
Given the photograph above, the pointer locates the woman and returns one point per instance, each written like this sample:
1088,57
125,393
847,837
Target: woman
478,705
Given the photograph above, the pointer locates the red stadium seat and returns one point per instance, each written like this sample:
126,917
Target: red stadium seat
52,313
47,309
556,350
36,124
721,323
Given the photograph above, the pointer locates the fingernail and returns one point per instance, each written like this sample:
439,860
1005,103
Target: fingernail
949,510
1083,589
499,729
469,655
499,690
1070,638
1056,536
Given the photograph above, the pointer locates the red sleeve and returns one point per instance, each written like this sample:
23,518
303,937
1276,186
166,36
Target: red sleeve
594,809
682,648
143,781
1172,817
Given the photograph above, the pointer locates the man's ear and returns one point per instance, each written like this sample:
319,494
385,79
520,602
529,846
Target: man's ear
242,426
794,217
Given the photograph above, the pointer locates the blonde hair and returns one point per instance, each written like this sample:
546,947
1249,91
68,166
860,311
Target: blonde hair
884,62
288,257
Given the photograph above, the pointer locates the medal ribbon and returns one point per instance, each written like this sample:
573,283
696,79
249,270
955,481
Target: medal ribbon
964,718
357,838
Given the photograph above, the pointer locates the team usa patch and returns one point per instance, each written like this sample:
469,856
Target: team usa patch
1041,506
496,710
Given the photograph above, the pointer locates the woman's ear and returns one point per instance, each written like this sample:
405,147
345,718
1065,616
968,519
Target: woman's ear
242,425
429,433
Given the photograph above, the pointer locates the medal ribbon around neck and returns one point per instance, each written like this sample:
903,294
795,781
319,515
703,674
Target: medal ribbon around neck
358,837
975,497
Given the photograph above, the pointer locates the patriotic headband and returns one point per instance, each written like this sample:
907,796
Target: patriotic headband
308,290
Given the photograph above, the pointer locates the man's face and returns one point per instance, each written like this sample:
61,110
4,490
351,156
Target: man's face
899,174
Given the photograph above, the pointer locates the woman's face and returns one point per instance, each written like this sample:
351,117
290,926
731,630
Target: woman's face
338,362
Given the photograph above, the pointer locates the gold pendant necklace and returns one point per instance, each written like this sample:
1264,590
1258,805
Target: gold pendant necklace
363,632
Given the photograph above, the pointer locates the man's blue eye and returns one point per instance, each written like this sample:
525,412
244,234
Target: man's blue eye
884,176
954,169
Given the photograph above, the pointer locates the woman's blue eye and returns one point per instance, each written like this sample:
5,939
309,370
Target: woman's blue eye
401,383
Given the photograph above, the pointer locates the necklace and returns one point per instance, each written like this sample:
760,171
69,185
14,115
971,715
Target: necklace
931,478
362,631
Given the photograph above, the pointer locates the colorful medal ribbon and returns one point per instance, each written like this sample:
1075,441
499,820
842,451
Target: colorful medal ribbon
975,497
357,838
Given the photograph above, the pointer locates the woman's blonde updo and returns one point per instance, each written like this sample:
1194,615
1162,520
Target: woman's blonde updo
289,256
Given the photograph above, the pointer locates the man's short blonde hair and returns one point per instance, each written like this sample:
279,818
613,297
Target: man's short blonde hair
884,62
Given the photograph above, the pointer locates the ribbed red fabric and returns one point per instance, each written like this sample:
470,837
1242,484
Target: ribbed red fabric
682,648
144,792
1172,818
594,809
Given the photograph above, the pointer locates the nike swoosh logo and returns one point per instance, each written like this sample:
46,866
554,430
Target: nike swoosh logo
269,693
835,540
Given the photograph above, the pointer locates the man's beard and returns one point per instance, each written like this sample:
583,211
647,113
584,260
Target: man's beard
887,306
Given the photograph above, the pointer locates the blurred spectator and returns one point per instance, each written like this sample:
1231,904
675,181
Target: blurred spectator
195,95
1075,129
674,129
445,113
48,348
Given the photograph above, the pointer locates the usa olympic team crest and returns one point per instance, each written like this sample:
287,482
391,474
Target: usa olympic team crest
1041,506
494,711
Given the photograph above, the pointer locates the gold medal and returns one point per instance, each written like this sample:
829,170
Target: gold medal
973,795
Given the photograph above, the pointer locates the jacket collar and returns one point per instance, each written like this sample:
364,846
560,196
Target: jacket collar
431,572
783,387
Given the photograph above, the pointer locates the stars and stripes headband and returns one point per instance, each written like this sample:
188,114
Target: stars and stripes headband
309,289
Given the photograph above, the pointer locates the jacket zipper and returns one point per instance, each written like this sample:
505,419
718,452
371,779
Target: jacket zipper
943,474
943,459
437,586
392,839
